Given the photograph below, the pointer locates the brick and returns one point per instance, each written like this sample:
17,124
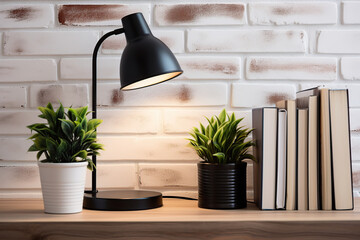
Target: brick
21,193
209,40
81,68
15,122
199,14
351,12
350,68
109,176
210,67
113,175
146,148
129,121
12,97
294,68
260,95
75,95
26,16
174,39
98,14
49,42
167,94
168,175
287,13
27,70
355,120
338,41
15,149
182,121
16,177
354,91
355,148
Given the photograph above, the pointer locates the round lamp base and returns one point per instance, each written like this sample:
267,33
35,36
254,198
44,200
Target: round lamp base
122,200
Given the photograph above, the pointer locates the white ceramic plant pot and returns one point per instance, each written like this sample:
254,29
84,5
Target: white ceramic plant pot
63,186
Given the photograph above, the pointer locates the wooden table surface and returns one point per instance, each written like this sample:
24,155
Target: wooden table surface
177,219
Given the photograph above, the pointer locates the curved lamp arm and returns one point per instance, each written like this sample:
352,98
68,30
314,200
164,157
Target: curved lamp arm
94,92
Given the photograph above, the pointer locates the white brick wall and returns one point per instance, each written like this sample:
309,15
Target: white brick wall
291,41
12,97
338,41
26,16
27,70
49,42
235,55
284,13
351,12
199,14
174,39
303,68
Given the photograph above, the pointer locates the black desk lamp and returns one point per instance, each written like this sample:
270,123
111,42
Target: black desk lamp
145,61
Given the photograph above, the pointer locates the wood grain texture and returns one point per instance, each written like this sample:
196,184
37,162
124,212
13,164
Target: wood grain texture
181,230
178,219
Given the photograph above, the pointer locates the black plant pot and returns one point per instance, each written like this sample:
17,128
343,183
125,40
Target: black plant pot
222,186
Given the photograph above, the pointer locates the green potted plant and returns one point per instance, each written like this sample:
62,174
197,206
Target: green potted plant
223,147
67,141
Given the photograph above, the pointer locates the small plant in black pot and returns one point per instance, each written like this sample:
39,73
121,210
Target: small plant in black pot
223,146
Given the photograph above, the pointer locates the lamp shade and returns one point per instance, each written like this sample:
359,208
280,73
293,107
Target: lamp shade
145,60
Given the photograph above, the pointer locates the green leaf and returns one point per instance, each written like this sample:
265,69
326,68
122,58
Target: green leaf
96,146
81,154
51,146
62,147
49,115
84,124
93,124
81,112
77,128
60,113
33,148
67,126
220,156
72,114
49,106
40,142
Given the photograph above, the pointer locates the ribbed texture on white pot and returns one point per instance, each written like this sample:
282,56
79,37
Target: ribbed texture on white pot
63,186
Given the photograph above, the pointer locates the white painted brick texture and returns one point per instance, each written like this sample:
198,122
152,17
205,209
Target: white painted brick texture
12,97
26,16
338,41
303,68
236,55
284,13
98,14
350,68
146,148
292,41
351,12
75,95
200,14
210,67
259,95
166,94
49,42
27,70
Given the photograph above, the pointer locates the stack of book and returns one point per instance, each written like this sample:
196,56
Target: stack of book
303,152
